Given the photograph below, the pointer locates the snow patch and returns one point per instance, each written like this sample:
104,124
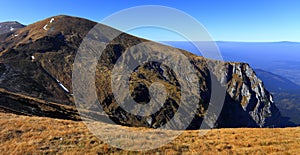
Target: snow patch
11,29
45,27
52,19
62,86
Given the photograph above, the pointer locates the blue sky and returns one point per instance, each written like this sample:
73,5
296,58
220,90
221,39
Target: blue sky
225,20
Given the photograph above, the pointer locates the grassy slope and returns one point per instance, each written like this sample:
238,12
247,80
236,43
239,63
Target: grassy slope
24,134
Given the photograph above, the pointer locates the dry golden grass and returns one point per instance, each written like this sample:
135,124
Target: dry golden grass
37,135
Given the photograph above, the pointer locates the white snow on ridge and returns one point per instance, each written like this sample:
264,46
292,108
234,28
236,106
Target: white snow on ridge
45,27
62,86
52,19
11,29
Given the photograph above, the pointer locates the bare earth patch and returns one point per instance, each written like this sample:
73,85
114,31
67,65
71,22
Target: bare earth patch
39,135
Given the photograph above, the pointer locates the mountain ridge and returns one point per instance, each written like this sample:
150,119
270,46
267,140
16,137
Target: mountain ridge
53,43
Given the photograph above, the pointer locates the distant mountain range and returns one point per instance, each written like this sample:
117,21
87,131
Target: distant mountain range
36,79
286,94
276,83
282,58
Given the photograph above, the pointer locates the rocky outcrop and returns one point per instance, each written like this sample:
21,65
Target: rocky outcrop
246,88
38,63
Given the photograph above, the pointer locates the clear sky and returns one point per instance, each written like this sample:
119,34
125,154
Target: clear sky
225,20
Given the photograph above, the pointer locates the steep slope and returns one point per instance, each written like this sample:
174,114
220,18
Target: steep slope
38,63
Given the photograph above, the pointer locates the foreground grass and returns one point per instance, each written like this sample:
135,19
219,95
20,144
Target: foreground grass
37,135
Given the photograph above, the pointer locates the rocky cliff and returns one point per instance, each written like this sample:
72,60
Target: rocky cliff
37,62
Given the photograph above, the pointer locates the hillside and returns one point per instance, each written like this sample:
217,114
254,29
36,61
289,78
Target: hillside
37,135
37,63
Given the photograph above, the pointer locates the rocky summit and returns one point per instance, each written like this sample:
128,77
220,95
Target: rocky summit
36,64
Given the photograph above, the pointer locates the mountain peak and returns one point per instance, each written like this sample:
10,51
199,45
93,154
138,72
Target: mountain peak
57,26
10,26
10,22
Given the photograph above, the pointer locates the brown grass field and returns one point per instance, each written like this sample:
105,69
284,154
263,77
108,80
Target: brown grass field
38,135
